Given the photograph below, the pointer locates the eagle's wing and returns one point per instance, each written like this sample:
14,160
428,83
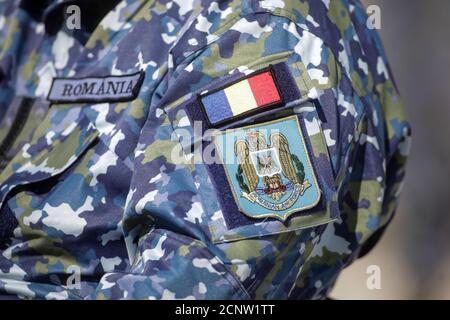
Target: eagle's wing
242,151
280,143
261,141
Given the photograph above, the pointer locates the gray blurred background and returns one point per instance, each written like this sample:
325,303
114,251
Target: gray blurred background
414,253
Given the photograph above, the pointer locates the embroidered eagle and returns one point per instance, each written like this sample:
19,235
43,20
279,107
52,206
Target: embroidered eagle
261,160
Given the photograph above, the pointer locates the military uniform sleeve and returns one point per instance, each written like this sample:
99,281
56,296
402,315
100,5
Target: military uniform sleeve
191,232
376,186
260,167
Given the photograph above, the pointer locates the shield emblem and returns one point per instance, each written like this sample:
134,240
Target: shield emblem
271,175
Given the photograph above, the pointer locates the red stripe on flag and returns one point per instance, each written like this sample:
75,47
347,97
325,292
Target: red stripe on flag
264,89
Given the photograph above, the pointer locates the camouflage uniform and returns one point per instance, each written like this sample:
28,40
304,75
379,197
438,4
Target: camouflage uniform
29,58
108,188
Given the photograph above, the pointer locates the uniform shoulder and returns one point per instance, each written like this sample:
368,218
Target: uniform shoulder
212,19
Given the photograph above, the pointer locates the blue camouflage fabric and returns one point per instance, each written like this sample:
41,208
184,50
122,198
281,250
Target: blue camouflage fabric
29,59
19,33
115,200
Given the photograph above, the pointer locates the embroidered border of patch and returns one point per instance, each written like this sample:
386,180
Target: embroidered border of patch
271,174
242,97
96,89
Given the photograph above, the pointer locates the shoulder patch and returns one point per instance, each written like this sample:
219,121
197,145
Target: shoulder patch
242,97
269,169
96,89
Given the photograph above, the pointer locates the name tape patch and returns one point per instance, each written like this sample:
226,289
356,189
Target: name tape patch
96,89
258,90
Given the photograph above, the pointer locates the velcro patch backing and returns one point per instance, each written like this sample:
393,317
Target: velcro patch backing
96,89
245,96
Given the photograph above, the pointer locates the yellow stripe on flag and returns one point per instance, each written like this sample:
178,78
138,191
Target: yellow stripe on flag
240,97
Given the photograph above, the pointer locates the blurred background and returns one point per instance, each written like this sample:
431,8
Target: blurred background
414,253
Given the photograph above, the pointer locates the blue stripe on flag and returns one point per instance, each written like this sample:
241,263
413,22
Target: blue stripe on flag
217,107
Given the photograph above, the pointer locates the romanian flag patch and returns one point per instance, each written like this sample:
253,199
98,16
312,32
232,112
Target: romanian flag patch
245,96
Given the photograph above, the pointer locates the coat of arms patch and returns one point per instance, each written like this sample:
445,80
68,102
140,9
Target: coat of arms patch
269,169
